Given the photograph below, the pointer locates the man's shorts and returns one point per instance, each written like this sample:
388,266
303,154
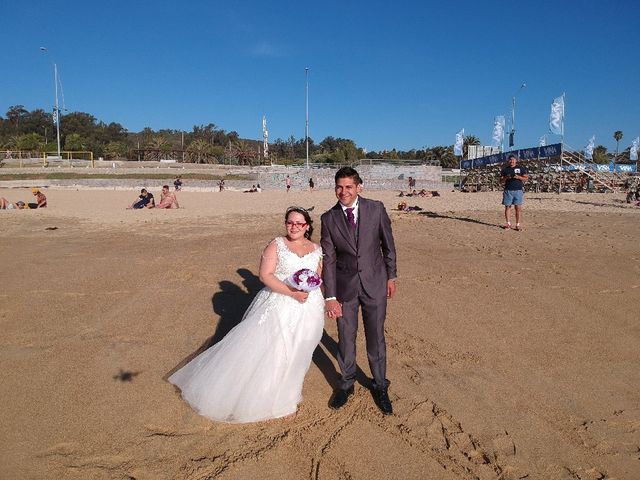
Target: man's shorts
512,197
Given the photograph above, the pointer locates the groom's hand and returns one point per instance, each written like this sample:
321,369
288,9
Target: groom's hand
333,308
391,288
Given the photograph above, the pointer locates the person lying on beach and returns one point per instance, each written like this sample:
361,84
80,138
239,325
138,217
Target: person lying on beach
403,207
7,205
427,193
146,200
253,189
41,200
167,199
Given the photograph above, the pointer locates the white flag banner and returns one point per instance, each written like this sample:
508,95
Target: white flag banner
457,148
588,151
633,152
543,141
556,119
498,131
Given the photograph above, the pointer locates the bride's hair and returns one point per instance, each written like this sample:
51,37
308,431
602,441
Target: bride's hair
307,218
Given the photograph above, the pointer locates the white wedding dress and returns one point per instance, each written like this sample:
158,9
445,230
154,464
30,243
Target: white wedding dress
256,371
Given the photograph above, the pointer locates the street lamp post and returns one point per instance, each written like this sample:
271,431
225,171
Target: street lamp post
512,135
306,130
56,109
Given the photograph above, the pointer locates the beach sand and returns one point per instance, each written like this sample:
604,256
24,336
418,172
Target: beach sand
511,354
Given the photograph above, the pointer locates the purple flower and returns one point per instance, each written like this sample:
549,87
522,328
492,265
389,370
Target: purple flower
305,280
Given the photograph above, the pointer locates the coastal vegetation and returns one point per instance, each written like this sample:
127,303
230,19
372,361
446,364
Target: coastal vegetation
35,131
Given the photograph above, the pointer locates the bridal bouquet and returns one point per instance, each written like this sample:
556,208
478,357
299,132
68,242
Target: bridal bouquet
304,279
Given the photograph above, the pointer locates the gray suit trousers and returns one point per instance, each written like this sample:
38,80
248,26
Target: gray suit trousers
374,311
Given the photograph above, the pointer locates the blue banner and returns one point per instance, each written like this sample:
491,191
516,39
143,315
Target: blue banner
535,153
595,167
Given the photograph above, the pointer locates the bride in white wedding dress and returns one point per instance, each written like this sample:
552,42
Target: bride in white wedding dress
256,371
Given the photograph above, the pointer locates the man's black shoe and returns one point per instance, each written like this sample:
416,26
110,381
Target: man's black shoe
340,397
381,397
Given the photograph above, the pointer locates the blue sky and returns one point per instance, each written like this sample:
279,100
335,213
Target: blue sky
404,74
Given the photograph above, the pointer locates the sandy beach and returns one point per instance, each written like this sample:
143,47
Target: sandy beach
512,355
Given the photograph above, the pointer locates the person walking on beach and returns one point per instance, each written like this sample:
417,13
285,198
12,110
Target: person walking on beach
311,184
288,183
257,370
513,177
359,271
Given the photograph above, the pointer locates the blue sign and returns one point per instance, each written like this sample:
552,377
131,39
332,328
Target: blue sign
535,153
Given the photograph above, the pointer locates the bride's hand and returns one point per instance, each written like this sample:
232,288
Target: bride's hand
299,295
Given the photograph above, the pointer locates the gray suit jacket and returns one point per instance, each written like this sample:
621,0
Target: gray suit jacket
350,258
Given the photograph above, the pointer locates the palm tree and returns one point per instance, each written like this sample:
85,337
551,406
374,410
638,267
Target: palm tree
469,140
199,151
618,136
158,142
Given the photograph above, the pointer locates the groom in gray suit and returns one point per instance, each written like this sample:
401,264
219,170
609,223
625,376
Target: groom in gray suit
359,271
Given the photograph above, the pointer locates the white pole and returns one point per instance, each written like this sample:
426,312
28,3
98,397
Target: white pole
57,109
513,114
306,131
513,121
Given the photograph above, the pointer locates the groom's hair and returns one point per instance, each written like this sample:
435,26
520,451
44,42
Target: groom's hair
348,172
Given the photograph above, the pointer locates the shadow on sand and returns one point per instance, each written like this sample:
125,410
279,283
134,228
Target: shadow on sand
229,304
460,219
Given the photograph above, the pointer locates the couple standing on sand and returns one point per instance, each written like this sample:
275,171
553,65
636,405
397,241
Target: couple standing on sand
256,371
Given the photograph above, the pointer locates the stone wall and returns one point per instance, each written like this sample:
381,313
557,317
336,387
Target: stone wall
375,177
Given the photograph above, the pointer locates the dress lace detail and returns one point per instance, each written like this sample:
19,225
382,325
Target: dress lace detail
256,372
288,263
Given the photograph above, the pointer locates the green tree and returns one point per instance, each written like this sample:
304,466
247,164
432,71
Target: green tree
115,150
199,151
159,142
600,154
16,112
29,141
445,156
618,136
75,142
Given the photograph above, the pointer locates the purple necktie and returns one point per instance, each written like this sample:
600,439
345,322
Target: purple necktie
351,218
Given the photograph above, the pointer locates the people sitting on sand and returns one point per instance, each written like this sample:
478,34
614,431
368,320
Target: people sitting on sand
146,200
41,200
253,189
167,199
221,185
177,183
258,188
